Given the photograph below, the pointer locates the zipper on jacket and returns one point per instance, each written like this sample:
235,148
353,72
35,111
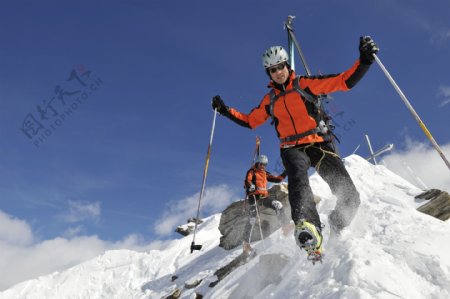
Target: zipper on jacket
290,115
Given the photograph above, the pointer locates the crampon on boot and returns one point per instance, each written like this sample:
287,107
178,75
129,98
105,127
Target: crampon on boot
309,238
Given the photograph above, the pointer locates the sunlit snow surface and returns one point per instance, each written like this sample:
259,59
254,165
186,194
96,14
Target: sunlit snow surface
389,251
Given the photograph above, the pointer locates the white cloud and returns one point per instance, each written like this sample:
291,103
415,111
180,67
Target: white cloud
80,211
444,34
444,92
420,162
14,231
73,231
439,36
18,263
215,200
21,258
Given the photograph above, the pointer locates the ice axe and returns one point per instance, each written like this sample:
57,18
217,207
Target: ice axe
205,172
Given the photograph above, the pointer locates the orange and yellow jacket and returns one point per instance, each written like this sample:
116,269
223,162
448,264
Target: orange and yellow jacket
259,178
291,113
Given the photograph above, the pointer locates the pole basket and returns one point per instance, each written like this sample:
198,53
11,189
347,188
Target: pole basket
195,247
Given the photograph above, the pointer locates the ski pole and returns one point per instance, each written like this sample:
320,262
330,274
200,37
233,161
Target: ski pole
259,222
205,172
413,112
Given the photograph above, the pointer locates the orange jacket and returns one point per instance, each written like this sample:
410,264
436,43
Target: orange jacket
259,178
290,112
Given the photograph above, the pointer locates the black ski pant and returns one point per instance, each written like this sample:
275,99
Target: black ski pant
297,161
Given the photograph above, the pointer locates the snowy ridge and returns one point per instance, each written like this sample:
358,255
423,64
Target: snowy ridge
389,251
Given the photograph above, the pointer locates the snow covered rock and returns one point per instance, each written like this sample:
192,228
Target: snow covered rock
438,204
187,229
234,219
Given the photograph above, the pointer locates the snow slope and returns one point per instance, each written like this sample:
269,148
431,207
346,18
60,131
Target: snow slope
389,251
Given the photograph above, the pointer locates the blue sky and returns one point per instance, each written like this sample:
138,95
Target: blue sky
126,88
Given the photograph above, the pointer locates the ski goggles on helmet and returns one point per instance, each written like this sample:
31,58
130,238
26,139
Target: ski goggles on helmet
276,68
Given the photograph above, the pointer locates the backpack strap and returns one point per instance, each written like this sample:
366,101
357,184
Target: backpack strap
304,94
274,97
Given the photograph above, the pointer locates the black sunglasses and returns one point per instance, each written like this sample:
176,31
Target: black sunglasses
276,68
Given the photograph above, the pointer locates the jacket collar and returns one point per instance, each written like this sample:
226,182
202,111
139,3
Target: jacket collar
287,85
257,169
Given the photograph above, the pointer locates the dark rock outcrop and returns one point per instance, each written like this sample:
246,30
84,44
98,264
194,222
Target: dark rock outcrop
234,218
184,230
438,205
188,228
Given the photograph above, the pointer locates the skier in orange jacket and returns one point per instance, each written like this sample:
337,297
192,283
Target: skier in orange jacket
304,138
255,185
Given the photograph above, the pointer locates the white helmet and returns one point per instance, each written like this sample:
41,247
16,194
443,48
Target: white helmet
274,55
262,159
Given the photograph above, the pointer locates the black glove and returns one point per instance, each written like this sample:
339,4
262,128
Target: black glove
367,47
284,174
217,103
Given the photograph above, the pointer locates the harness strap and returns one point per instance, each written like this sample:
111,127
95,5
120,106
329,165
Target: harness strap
301,135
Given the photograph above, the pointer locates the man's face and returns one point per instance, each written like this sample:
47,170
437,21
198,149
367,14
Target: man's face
279,73
261,166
